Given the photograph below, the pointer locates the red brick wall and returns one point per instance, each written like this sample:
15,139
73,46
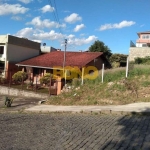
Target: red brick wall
11,69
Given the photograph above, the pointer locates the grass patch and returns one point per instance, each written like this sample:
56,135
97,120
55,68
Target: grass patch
113,91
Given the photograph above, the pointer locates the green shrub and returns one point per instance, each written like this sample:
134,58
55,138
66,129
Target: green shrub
20,76
145,60
115,64
138,60
46,78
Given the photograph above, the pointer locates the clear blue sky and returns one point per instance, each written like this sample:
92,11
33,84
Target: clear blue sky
81,22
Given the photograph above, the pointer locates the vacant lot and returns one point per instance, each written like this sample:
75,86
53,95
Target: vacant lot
115,89
73,132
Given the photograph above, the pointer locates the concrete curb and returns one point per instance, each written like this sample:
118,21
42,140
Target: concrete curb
96,112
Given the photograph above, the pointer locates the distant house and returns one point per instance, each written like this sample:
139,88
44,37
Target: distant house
144,39
47,49
55,61
13,50
140,48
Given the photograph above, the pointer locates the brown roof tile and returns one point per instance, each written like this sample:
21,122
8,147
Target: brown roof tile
56,58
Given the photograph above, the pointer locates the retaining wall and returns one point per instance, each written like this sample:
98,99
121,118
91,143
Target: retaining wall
17,92
141,52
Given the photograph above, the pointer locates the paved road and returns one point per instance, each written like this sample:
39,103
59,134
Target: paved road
73,132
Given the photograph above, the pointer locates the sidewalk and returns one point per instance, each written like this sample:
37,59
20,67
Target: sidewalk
135,108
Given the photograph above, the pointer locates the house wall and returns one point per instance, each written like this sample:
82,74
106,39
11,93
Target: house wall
3,38
139,44
23,42
17,53
135,52
143,40
97,63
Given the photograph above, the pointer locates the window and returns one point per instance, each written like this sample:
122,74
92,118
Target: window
2,65
143,36
147,36
144,45
1,49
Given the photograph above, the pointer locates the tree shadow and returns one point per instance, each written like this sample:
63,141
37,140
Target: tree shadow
133,133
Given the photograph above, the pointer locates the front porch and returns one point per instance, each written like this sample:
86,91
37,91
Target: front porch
34,76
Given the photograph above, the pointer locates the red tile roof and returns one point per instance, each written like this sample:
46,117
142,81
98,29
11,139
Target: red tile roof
56,58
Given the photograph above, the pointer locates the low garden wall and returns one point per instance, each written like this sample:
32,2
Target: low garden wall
16,92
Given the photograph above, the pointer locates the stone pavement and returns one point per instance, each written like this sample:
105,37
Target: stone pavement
36,131
140,108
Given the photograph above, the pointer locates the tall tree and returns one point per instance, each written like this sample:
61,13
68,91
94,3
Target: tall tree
99,46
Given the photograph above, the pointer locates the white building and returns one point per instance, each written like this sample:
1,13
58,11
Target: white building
141,48
13,50
47,49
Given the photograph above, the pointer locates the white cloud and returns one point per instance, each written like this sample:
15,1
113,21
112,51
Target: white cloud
6,9
16,18
52,35
79,27
117,25
81,41
26,32
73,18
71,36
46,23
25,1
40,35
47,8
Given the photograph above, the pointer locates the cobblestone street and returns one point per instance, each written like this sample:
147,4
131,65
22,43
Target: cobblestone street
73,132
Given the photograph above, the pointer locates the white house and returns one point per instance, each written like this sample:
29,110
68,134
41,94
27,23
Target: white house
142,46
144,39
13,50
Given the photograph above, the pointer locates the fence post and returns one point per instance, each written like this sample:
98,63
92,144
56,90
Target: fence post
22,83
10,79
127,67
50,86
36,84
102,73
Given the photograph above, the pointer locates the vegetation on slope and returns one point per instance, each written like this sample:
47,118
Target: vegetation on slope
115,89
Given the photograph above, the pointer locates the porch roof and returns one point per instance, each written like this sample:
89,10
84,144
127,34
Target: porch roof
55,59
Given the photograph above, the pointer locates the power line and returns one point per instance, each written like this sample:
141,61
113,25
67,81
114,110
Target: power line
56,17
55,14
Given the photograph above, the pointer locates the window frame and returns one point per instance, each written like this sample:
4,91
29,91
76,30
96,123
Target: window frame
1,50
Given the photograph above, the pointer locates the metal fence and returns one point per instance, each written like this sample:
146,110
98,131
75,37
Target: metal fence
28,84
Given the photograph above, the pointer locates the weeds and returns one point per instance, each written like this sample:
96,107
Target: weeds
114,90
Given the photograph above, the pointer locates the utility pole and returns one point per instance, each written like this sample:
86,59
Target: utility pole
64,62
